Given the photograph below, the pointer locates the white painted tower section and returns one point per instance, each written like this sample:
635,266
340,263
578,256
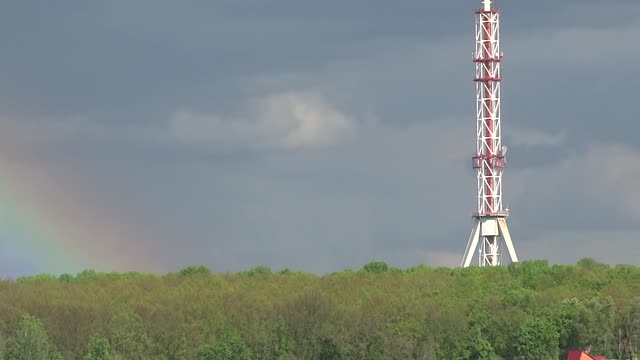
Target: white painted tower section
490,231
487,5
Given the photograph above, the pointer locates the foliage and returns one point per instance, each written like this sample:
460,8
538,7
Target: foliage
376,267
479,347
527,310
31,341
258,271
65,277
207,352
229,347
127,335
537,340
329,350
99,349
177,350
195,270
627,331
282,341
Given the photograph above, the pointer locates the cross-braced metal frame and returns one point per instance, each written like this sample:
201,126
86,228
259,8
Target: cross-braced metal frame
490,228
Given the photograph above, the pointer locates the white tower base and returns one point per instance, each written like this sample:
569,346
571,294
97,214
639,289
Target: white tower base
487,236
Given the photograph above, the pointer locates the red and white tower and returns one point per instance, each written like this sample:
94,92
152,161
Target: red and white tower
490,231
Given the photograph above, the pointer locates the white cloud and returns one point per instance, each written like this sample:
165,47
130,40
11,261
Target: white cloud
287,120
535,138
297,120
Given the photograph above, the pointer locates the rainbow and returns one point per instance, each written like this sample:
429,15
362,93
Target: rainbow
49,224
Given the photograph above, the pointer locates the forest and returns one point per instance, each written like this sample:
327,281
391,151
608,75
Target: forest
527,311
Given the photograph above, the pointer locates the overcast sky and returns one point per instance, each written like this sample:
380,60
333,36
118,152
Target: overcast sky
317,135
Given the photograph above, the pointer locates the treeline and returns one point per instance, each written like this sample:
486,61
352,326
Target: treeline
528,311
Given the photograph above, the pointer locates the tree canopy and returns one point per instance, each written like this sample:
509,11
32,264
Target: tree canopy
527,310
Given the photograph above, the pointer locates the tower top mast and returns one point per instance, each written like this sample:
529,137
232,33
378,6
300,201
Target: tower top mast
487,5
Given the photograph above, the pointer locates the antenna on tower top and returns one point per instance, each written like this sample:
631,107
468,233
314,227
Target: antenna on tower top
487,5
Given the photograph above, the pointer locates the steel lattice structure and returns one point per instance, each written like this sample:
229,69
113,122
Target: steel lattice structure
490,230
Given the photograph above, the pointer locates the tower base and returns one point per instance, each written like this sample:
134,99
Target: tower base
487,236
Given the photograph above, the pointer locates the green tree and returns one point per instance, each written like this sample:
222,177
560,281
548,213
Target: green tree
448,327
596,327
195,270
31,341
207,352
282,343
329,350
375,313
87,275
177,350
479,346
534,274
306,316
628,330
56,355
376,267
375,348
263,271
65,278
127,336
3,341
99,349
567,318
230,346
537,340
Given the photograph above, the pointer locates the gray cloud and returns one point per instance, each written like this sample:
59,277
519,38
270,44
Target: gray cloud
200,118
535,138
286,121
599,182
339,204
611,246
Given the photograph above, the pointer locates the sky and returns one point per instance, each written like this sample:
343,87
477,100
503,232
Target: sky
317,136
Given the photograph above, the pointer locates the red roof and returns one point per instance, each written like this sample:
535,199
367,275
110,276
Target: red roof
581,355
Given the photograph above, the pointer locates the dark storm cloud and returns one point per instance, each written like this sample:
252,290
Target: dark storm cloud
320,135
137,59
